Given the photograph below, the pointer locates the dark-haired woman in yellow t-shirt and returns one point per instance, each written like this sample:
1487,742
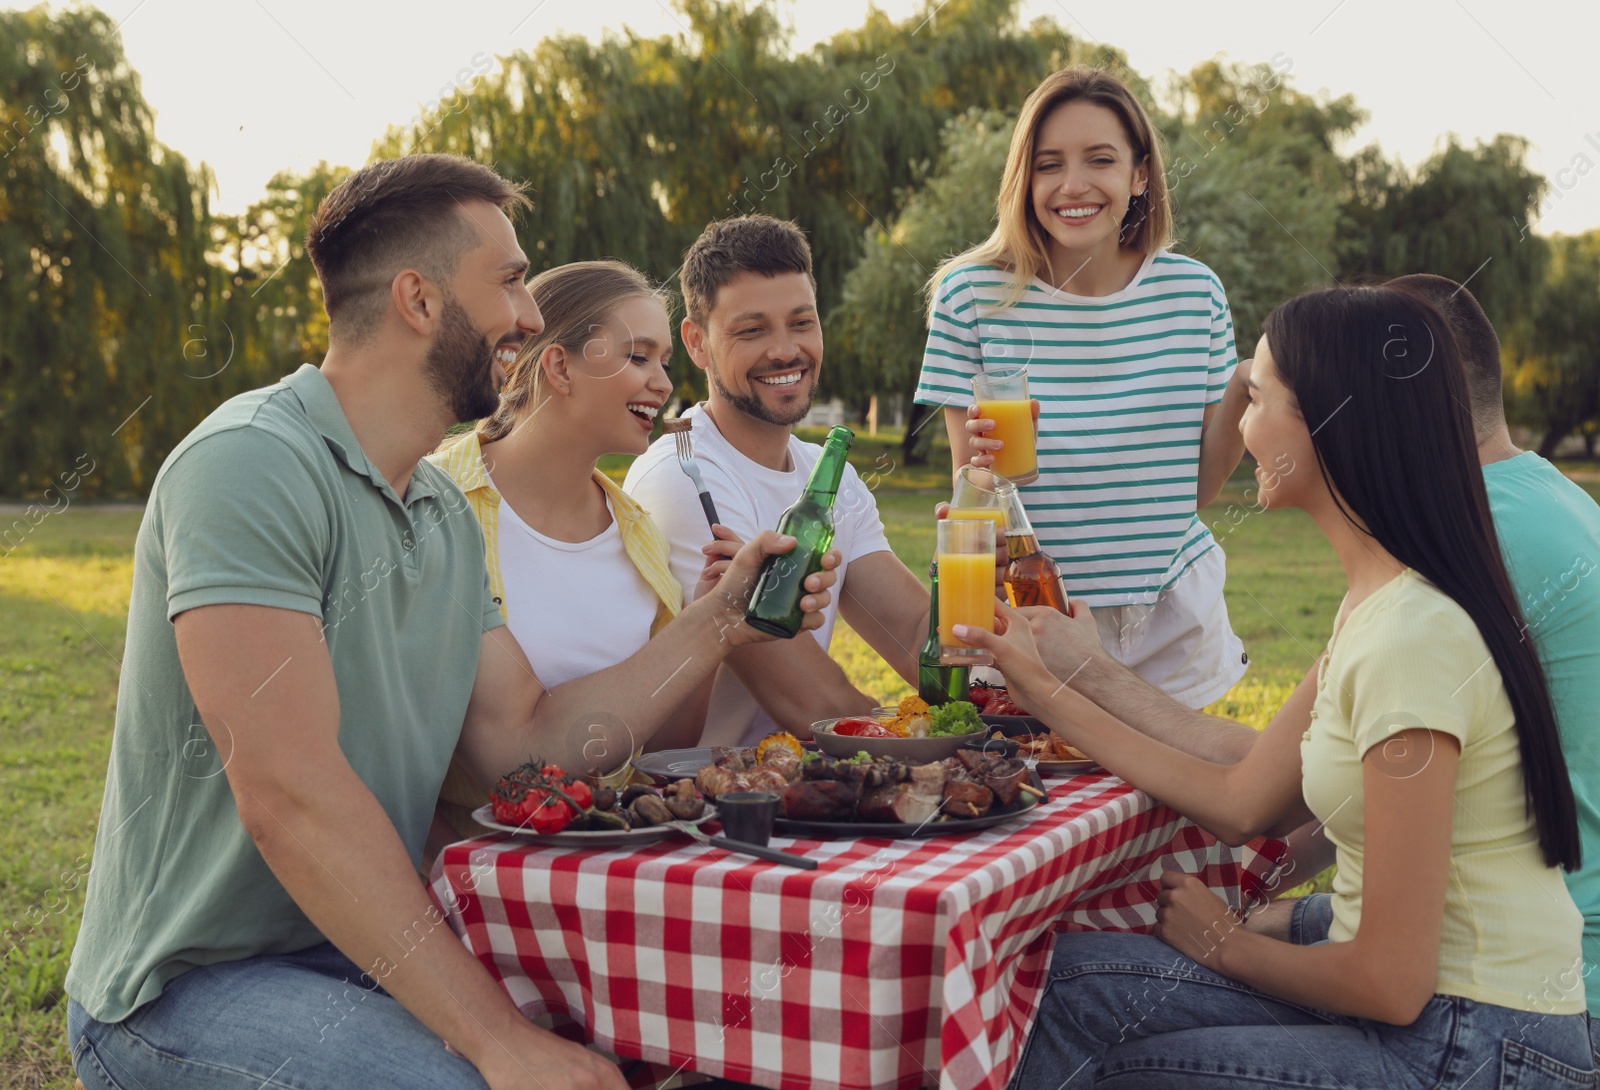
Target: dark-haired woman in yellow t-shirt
1425,743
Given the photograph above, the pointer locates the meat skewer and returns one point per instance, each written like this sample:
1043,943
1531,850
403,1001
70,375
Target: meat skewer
819,788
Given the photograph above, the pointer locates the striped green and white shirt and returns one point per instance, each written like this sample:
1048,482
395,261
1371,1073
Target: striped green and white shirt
1123,381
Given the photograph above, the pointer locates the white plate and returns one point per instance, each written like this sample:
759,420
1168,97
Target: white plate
597,838
1066,768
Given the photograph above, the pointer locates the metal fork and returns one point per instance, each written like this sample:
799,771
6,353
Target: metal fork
680,430
771,855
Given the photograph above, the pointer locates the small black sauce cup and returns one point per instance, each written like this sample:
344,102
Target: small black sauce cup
748,815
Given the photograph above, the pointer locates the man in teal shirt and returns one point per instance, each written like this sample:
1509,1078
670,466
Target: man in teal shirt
1549,532
310,639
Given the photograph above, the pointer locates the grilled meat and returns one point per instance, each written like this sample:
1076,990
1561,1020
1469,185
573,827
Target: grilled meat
820,800
999,774
738,770
715,781
964,794
913,800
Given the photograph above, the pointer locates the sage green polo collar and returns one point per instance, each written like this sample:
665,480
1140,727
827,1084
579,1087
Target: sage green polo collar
322,408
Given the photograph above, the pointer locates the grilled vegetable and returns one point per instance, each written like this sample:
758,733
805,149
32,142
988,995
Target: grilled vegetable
861,727
633,792
778,739
681,800
650,810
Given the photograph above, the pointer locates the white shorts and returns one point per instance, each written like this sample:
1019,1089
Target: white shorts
1182,643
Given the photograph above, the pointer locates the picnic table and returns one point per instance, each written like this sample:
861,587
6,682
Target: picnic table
897,963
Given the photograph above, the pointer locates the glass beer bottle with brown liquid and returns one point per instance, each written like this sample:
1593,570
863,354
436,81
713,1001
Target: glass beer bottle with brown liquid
1032,578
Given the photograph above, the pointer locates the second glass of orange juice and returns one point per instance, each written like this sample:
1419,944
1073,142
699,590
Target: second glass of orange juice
1002,396
981,494
965,555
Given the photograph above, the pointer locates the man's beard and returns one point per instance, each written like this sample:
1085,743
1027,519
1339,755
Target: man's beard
460,366
752,405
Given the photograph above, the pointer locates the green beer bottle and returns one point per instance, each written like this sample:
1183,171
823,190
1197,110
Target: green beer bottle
937,684
775,605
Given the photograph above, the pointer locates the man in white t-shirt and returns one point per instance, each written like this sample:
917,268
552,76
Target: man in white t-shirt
752,326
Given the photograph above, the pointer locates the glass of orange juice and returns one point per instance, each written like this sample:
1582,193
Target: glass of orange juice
965,555
1002,396
981,494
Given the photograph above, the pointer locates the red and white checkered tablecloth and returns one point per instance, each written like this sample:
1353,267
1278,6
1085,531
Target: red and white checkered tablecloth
897,963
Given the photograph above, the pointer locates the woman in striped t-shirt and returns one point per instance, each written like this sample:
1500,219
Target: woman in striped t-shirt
1130,356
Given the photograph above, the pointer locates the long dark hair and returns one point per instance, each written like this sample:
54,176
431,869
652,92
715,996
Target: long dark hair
1379,381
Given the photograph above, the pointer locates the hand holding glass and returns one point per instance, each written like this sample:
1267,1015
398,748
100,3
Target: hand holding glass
1002,396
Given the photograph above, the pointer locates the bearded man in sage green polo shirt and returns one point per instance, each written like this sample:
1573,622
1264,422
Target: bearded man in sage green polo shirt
310,640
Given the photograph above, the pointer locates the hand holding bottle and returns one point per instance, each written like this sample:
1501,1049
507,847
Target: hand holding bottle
730,598
775,606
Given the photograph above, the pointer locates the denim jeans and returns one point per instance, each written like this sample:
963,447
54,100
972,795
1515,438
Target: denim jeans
1124,1011
1311,919
302,1021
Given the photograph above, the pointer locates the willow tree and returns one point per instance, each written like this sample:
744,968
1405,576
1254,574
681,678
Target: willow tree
632,144
1461,214
267,300
103,264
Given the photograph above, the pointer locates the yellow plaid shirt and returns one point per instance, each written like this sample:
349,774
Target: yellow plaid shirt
642,540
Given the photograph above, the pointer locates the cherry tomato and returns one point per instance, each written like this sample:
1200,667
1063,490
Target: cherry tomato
579,793
551,815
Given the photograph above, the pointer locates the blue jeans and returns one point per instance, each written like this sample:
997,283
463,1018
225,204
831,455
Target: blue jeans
1311,919
303,1021
1124,1011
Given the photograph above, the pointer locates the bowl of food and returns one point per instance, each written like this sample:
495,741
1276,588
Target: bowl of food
911,731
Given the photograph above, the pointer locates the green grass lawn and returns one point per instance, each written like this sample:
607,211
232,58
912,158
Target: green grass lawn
64,593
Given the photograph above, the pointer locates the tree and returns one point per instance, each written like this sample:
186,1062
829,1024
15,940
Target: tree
128,310
879,322
102,264
1461,214
632,145
1254,179
1555,377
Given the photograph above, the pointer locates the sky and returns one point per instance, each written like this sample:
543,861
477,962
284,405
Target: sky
256,86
